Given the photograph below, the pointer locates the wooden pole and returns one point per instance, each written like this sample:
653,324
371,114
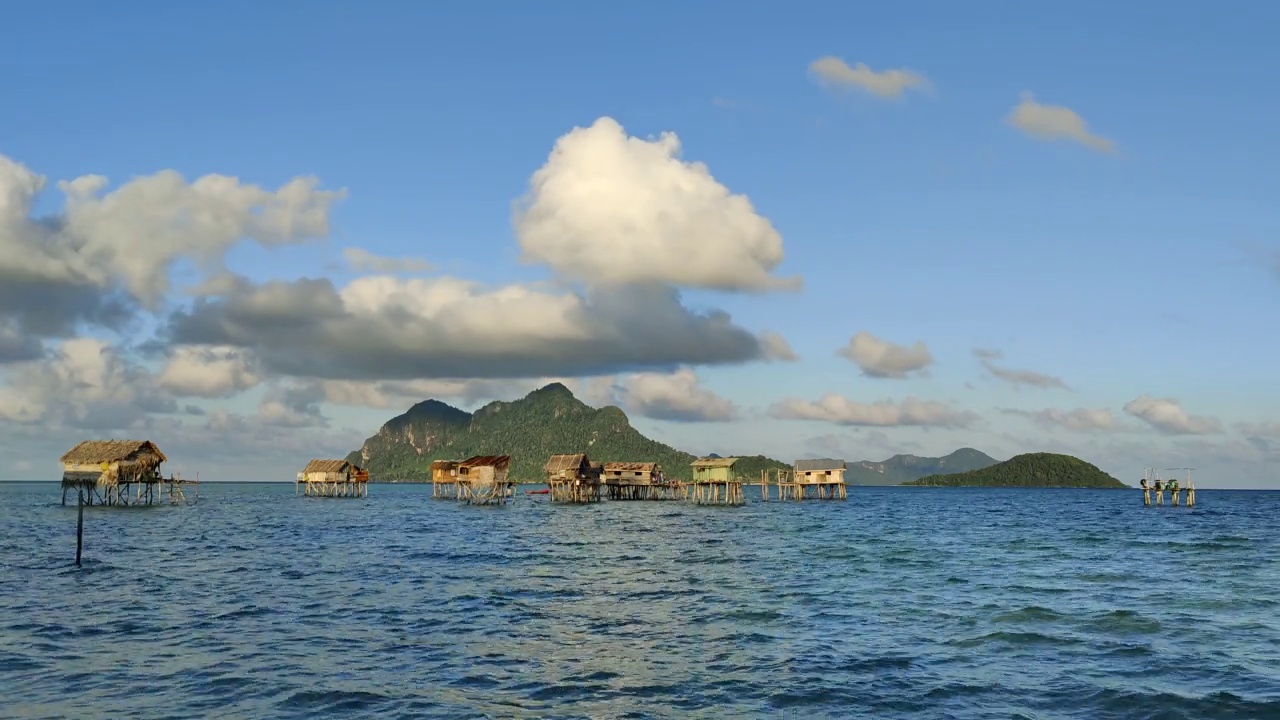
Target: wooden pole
79,524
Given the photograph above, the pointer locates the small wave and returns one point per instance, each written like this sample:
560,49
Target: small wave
1015,638
1031,613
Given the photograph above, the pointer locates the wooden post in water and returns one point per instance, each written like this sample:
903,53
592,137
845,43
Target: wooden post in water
79,524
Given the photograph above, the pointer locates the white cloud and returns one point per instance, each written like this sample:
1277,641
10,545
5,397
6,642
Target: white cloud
882,359
834,72
1055,122
385,328
1029,378
106,250
1078,419
609,208
840,410
676,396
1260,429
208,371
404,393
362,260
85,384
776,347
1167,416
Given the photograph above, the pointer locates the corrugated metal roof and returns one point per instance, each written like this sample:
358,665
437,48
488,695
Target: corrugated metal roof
496,461
819,464
630,466
711,462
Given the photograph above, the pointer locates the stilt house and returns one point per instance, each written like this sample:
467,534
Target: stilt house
105,469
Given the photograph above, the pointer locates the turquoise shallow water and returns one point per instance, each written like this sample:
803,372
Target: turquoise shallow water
899,603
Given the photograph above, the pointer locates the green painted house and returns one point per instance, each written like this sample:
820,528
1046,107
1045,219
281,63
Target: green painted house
713,469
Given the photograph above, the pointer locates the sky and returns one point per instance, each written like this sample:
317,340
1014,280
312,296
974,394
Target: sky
254,232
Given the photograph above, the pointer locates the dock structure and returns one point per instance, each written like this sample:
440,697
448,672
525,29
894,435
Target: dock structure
573,478
639,481
119,473
444,480
332,479
819,479
714,482
485,480
1151,483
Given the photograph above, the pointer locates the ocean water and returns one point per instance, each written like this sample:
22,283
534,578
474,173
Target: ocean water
898,603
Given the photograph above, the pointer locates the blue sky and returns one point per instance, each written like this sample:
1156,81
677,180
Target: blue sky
924,215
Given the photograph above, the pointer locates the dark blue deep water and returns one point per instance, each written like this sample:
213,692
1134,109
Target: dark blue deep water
899,603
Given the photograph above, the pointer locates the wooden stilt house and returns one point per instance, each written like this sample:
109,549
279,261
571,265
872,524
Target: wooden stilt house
444,479
573,479
638,481
485,480
714,482
117,472
332,478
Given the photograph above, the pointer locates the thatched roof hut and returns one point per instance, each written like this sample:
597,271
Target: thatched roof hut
333,471
485,468
108,462
635,473
573,466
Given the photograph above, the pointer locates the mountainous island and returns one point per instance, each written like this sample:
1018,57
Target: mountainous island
547,421
1028,470
551,420
903,468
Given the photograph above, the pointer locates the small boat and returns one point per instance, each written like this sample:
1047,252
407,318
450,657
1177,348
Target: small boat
543,491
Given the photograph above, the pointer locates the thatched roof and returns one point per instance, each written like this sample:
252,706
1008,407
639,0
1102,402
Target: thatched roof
630,466
444,464
560,463
494,461
90,452
710,462
326,466
819,465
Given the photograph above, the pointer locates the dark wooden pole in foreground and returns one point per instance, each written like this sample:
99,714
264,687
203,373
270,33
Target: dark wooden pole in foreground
79,524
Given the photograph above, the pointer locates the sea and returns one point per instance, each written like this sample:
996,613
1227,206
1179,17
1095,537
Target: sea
897,603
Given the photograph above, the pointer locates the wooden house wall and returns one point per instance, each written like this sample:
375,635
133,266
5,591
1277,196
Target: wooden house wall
713,474
821,476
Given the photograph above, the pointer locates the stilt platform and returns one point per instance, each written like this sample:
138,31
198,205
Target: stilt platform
669,490
131,493
576,490
804,484
715,492
485,492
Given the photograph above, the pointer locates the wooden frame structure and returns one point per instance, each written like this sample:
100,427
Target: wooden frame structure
332,479
485,480
572,478
119,473
444,480
639,481
820,479
714,483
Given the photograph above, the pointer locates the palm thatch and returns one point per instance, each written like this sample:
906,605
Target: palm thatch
326,466
574,462
819,465
109,462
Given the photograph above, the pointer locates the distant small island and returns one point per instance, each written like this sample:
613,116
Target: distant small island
1039,470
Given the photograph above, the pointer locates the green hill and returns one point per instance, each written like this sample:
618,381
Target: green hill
1029,470
902,468
547,421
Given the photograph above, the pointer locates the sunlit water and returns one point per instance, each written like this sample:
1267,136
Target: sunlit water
899,603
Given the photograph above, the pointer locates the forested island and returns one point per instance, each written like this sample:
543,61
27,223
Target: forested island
1038,470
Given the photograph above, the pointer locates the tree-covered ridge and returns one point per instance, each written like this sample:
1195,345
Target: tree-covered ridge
1029,470
901,468
547,421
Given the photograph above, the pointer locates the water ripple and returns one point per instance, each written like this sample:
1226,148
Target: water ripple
901,603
